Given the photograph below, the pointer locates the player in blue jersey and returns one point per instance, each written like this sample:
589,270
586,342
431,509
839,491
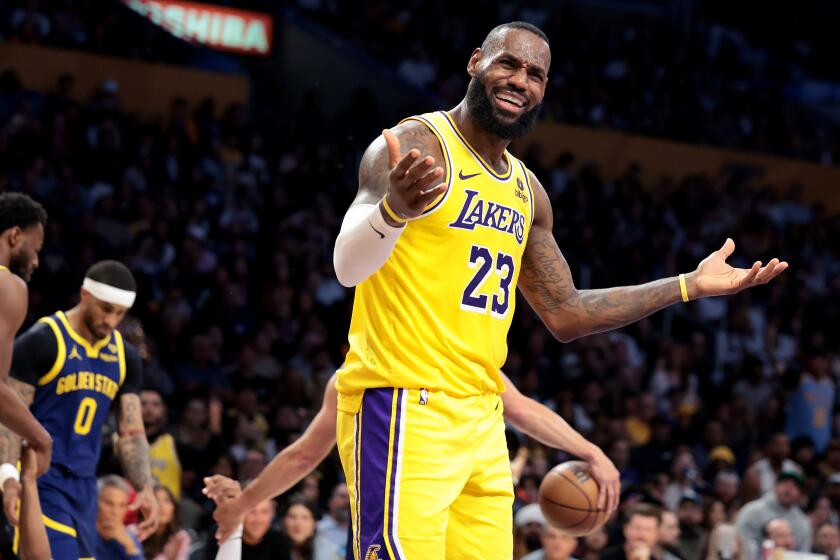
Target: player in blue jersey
22,223
71,367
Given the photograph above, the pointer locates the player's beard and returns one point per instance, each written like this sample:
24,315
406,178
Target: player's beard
482,110
20,265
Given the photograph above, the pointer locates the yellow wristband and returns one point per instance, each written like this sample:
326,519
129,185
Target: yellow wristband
683,288
390,211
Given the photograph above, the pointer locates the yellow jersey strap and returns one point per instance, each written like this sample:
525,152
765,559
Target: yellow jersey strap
3,267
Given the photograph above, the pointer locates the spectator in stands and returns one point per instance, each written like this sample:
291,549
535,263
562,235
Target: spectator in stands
761,475
528,524
811,405
166,466
199,439
641,532
782,503
299,527
594,544
724,544
692,534
169,541
556,545
669,537
331,532
778,531
827,541
116,541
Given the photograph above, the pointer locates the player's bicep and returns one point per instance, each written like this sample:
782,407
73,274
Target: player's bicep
35,354
375,167
13,302
133,381
546,279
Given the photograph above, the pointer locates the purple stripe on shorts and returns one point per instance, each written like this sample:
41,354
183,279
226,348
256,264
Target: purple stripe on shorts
373,465
356,443
394,459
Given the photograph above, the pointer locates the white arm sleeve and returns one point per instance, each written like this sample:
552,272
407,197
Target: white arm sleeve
231,549
363,245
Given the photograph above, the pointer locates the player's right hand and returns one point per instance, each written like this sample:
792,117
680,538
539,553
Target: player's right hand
414,181
228,515
11,495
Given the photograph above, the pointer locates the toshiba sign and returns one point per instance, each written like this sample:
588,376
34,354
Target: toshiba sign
213,26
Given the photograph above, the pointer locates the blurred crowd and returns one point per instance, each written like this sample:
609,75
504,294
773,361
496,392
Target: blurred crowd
720,414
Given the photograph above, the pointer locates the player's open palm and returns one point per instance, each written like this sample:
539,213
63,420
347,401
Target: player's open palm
414,179
714,277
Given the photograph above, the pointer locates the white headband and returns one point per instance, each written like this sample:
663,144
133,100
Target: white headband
109,294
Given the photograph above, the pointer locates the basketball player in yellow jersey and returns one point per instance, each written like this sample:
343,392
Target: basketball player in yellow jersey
435,242
22,223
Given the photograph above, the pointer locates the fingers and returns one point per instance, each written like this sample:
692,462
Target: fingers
615,494
750,277
393,144
10,509
603,498
146,528
223,534
728,248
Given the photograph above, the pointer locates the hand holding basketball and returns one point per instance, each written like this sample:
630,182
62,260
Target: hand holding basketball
569,499
414,180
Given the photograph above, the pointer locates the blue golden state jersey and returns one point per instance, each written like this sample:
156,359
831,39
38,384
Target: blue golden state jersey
436,315
73,399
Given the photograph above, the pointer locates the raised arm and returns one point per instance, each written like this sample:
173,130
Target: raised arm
288,468
393,188
548,428
569,313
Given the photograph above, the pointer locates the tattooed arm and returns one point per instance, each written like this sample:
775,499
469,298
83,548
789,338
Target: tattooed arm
393,188
569,313
133,450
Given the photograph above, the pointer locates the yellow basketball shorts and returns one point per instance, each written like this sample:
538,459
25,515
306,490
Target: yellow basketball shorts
428,474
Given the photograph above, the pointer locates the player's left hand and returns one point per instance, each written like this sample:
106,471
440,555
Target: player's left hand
714,277
609,481
149,509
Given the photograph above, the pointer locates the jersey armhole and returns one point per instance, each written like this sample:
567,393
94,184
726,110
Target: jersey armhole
61,353
447,177
121,355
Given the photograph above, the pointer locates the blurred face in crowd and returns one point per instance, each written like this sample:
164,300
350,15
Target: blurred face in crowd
620,453
252,464
641,530
715,514
25,245
152,408
779,532
113,503
827,539
726,486
509,76
299,523
690,513
788,492
779,448
821,511
339,504
596,541
167,506
195,415
311,489
258,521
556,544
669,529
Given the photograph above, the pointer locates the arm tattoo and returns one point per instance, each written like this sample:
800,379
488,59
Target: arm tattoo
10,441
571,313
132,447
134,456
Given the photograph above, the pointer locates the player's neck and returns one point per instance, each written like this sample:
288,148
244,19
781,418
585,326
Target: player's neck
74,317
490,147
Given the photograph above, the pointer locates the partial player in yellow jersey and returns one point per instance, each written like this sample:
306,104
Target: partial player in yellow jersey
446,223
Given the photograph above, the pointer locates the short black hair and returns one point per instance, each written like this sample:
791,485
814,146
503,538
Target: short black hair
17,209
496,31
112,273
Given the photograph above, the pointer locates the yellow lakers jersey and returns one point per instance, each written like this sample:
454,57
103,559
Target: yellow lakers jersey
437,314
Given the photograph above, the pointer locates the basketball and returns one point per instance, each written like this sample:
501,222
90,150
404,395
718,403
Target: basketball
569,499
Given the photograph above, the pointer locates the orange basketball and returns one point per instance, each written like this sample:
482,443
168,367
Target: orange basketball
569,499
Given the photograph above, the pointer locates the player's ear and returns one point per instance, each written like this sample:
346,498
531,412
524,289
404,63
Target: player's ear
15,236
472,65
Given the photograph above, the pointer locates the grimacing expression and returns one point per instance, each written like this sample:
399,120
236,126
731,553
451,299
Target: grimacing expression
508,83
28,243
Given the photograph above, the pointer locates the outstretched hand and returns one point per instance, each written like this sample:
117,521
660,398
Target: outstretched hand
714,277
414,181
228,515
609,481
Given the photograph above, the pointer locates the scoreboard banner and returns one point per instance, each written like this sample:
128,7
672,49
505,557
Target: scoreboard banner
217,27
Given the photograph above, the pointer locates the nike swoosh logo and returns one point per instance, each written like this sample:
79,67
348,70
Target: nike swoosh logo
381,235
465,177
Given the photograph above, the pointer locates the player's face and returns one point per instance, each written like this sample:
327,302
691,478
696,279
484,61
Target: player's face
26,244
101,317
508,83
